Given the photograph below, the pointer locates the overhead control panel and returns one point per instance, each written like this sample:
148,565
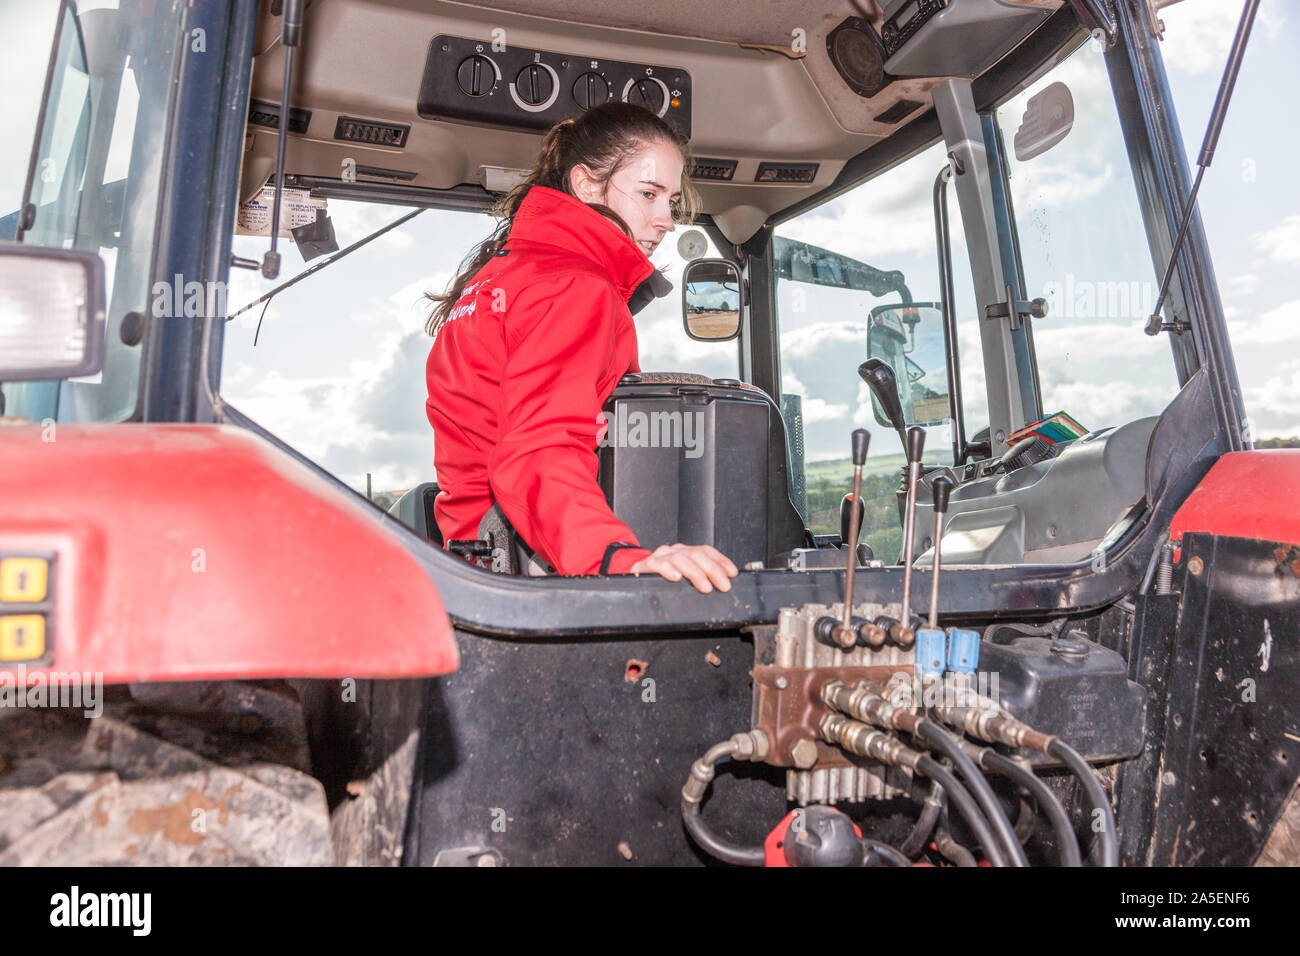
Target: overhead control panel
489,83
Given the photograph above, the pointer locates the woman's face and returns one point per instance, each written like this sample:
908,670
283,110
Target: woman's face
642,192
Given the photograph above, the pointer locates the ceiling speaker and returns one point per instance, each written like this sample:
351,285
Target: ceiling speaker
858,56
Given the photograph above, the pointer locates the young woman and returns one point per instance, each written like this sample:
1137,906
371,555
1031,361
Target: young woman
534,333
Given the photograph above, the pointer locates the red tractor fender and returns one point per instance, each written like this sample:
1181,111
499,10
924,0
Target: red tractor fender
202,552
1246,494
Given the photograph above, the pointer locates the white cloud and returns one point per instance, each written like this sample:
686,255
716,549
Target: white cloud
1056,184
1198,33
883,219
1243,284
1100,342
1281,324
1274,405
1281,242
1102,403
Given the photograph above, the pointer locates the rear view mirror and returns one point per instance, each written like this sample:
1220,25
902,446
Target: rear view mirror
51,313
908,337
1049,115
712,297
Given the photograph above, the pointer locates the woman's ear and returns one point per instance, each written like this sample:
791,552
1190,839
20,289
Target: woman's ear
584,185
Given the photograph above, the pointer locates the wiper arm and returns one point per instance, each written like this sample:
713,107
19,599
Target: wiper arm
321,265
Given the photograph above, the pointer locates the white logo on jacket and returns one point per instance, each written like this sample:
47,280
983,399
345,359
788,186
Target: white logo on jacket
466,303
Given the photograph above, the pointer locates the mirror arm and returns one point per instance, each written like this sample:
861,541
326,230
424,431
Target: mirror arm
959,447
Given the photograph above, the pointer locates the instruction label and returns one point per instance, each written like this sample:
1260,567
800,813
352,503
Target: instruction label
297,208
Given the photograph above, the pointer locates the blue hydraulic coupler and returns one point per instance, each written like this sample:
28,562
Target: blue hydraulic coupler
931,650
963,650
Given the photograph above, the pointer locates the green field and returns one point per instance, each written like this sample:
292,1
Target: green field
828,481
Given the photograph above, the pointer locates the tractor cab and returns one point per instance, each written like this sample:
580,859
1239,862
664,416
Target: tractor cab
948,223
946,189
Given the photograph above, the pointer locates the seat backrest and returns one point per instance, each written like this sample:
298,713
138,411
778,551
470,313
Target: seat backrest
701,461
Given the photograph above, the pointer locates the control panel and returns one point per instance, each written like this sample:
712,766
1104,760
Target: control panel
487,82
26,609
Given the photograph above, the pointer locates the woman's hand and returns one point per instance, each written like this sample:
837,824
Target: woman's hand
702,564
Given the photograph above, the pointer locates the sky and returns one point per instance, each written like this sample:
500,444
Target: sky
338,370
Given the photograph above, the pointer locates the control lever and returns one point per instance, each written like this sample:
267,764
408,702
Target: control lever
861,438
842,633
884,385
931,642
914,443
942,490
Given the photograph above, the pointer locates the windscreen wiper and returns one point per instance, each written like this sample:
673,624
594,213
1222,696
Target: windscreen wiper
321,265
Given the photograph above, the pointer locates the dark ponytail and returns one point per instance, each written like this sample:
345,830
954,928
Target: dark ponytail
603,139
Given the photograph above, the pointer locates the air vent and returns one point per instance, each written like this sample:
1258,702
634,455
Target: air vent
786,173
899,111
403,175
371,133
714,170
261,113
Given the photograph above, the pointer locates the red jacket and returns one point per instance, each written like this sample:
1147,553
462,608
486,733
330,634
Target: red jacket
517,377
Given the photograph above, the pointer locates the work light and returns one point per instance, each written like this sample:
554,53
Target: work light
51,313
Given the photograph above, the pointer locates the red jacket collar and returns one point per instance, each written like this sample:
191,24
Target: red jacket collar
553,217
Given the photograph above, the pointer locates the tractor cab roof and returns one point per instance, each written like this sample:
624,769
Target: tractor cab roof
785,102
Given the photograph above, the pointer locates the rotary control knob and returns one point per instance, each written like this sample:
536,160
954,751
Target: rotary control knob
534,84
476,75
647,92
590,89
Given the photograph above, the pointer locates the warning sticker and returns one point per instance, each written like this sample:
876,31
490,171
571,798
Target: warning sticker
297,208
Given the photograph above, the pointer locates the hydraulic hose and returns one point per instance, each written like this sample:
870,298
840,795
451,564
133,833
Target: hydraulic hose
714,845
865,703
1043,795
1108,841
915,841
1025,817
738,747
889,854
960,798
950,849
933,734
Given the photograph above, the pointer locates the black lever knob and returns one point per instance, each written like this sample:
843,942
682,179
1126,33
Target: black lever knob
883,384
942,489
915,443
861,439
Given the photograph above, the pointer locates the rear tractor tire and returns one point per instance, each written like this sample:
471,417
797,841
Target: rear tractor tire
195,774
